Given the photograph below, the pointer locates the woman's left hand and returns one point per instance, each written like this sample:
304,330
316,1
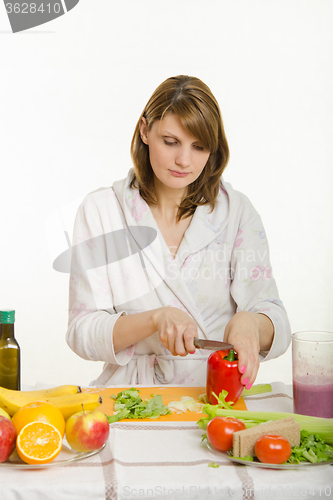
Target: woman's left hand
244,332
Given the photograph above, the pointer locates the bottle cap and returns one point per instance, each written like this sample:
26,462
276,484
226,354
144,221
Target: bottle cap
7,316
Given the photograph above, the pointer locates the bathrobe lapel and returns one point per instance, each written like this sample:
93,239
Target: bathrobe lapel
204,228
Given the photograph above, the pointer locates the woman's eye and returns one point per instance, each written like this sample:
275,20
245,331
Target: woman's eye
169,143
199,148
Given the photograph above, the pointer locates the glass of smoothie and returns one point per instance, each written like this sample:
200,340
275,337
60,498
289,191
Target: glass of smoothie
312,357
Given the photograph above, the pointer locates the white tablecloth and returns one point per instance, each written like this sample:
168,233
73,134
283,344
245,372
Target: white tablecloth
168,460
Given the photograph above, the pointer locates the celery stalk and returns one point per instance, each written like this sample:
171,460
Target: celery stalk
257,389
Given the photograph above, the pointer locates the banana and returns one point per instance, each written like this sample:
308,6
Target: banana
60,390
3,413
68,405
12,401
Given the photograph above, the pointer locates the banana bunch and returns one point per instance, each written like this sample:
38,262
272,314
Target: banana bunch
67,398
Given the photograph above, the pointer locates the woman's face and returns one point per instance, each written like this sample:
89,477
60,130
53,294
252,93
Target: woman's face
176,156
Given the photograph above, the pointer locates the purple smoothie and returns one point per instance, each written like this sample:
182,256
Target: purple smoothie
313,400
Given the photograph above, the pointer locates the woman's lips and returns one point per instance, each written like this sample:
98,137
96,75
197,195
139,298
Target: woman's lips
178,174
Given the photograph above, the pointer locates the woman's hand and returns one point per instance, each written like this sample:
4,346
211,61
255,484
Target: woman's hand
249,333
176,330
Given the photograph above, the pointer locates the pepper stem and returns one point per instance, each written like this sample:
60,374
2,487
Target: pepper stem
230,356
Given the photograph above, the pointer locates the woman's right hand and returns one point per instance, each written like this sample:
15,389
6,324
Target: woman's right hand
176,330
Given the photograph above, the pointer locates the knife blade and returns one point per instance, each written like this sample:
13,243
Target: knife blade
212,345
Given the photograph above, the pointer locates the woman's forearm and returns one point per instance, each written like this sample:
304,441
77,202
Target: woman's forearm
175,327
129,330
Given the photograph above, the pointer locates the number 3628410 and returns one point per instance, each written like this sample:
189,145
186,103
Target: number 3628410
33,8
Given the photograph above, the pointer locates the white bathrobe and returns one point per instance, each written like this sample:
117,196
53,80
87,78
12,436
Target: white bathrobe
121,264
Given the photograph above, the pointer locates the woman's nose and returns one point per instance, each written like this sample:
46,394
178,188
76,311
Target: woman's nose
183,158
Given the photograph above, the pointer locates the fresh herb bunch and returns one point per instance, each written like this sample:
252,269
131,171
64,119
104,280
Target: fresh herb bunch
128,404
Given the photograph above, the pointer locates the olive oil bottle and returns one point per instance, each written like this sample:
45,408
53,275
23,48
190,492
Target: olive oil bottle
10,358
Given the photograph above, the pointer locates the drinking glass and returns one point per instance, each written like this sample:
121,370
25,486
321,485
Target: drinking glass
312,359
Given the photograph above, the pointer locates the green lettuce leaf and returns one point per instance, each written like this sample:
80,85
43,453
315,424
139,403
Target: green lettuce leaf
311,449
128,404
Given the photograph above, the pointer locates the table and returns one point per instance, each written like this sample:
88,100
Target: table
168,460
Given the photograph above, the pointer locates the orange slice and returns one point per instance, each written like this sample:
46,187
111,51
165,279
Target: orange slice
38,443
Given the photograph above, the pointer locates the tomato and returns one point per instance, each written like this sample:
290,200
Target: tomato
220,431
272,449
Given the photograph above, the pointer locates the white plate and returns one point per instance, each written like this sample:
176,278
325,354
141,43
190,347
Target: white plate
256,462
65,457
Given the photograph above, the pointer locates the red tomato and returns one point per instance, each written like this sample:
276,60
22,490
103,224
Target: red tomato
272,449
220,430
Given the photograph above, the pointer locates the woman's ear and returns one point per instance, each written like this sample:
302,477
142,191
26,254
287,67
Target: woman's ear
143,130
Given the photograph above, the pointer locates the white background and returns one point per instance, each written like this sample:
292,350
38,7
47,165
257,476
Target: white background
71,92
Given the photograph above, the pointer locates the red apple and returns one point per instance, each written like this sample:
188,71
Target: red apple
87,431
7,438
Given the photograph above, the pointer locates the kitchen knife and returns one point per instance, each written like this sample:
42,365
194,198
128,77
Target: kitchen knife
212,345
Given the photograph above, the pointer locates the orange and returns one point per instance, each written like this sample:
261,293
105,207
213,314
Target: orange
39,411
38,443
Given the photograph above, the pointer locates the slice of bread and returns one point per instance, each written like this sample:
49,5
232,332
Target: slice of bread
244,441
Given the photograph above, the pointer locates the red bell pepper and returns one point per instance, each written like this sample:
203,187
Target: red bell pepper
223,374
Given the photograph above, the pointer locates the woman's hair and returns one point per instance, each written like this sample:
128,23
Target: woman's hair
196,107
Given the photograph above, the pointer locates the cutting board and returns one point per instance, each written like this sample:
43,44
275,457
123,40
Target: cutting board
168,394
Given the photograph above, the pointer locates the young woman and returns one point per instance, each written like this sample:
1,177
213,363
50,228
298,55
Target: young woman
171,253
